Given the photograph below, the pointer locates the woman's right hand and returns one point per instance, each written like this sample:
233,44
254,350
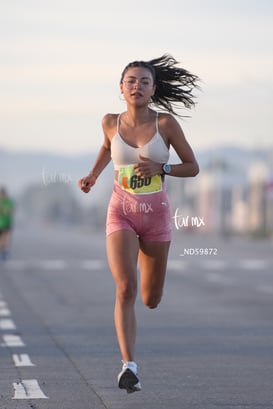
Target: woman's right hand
87,182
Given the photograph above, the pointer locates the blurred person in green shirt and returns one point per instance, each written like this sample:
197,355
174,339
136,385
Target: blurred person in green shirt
6,219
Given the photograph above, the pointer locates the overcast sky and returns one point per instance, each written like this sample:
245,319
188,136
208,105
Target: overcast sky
60,65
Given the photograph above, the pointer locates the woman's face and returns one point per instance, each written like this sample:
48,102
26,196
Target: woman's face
137,85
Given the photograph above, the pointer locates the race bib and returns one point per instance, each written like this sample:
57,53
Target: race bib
129,181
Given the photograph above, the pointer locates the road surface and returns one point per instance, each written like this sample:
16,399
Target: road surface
209,345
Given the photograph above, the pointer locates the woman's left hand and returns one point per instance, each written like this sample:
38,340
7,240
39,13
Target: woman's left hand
147,168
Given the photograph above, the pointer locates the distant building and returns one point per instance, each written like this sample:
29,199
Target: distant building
258,175
239,210
54,203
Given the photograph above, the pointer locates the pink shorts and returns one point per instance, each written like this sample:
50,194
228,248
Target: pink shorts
147,215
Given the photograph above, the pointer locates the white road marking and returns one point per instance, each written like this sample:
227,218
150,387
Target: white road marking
7,324
53,264
28,389
22,360
4,312
92,264
11,340
97,264
218,279
214,264
253,264
176,265
266,289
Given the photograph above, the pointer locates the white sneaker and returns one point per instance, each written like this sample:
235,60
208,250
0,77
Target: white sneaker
128,380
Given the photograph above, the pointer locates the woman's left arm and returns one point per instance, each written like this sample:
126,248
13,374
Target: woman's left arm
176,138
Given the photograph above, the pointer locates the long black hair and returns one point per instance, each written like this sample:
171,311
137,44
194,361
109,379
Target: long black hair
174,84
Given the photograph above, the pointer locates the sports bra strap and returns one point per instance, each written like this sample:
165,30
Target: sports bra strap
118,123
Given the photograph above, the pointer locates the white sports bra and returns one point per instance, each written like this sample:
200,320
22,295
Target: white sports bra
124,154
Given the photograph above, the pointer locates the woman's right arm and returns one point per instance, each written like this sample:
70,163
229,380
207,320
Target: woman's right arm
103,158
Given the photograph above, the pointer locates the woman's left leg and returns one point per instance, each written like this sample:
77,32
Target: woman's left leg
152,259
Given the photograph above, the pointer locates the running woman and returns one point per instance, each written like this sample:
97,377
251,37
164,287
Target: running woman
138,225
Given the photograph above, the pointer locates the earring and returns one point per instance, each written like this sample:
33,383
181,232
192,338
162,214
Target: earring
121,98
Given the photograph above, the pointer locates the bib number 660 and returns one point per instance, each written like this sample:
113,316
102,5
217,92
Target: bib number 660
138,182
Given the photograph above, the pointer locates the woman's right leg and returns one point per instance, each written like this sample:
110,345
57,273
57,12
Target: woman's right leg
122,253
